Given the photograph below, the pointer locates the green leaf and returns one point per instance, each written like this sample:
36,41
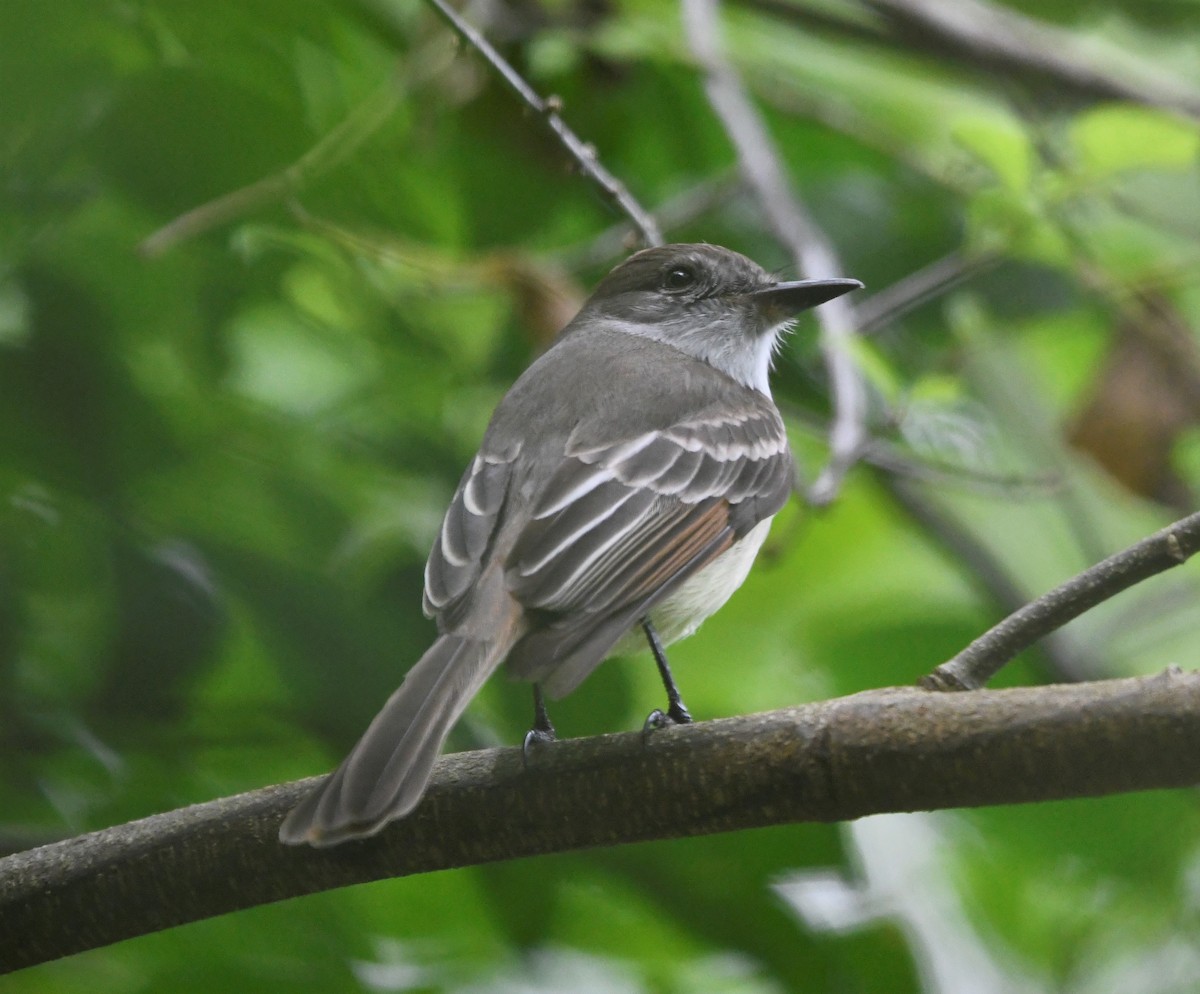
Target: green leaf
1118,138
1001,221
1001,144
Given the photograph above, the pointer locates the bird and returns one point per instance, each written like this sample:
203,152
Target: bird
622,490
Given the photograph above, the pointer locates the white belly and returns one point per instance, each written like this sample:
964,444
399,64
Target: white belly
682,613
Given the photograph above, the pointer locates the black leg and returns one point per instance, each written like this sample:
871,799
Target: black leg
543,729
677,712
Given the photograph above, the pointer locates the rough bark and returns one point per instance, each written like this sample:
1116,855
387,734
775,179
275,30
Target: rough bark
887,750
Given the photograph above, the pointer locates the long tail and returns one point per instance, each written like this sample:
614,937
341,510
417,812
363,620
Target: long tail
385,774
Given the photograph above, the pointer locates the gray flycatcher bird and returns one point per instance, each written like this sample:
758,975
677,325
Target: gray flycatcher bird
627,479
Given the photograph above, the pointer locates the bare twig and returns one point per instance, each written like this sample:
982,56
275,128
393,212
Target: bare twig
984,657
1011,486
362,122
680,209
792,224
886,455
887,750
917,288
547,112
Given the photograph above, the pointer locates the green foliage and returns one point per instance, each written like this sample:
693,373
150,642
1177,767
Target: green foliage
223,458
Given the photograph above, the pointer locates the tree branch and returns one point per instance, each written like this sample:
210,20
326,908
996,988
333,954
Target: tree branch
676,211
992,34
787,216
983,658
546,111
919,287
995,37
886,750
363,121
336,146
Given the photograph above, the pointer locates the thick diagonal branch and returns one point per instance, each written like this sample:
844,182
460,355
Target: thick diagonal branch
890,750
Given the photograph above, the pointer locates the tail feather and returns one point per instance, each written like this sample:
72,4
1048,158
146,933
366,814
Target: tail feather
385,774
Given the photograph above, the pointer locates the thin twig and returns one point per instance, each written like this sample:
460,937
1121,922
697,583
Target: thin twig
362,122
684,207
546,111
887,456
918,287
984,657
789,219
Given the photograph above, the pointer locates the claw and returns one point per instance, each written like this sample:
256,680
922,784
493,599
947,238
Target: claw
542,731
674,715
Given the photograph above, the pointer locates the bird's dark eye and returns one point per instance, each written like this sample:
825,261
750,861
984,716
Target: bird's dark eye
679,278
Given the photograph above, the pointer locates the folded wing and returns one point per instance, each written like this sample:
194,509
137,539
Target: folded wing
620,526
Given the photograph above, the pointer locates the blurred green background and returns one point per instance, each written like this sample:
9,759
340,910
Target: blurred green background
223,455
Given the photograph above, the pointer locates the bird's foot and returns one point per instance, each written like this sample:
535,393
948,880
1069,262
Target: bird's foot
535,738
676,714
542,733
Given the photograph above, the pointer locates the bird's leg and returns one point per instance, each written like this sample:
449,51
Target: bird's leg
543,729
677,712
